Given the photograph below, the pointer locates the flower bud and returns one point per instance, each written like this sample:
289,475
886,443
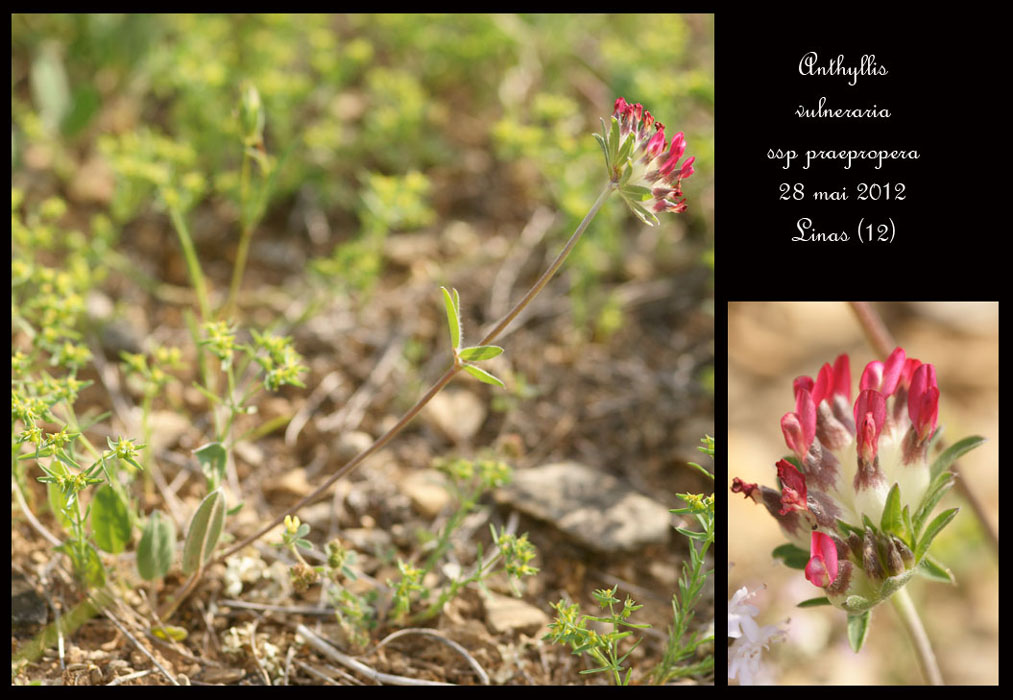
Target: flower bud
648,179
870,557
906,555
251,116
894,563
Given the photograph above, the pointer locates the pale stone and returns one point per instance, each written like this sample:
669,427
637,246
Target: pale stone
596,509
506,614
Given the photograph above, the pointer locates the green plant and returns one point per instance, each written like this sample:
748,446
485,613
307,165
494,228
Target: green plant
468,480
683,641
570,627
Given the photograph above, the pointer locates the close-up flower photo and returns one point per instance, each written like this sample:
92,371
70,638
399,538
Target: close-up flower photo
873,523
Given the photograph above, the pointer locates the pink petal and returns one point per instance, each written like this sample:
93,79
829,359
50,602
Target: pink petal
892,369
802,383
806,408
842,377
824,384
822,567
870,415
923,401
872,376
793,488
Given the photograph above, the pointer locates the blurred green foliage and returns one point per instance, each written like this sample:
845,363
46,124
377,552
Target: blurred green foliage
477,116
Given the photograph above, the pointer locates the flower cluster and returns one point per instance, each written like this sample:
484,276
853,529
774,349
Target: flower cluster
858,490
644,168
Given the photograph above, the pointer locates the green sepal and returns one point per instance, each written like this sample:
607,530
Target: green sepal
624,153
952,453
814,602
792,556
933,529
480,352
110,520
483,376
931,569
892,520
858,629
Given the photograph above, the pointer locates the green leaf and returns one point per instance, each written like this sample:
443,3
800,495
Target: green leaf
601,142
90,568
613,140
941,483
157,546
50,87
65,458
847,529
858,629
867,521
110,520
453,304
792,556
642,213
891,520
483,376
205,529
635,191
934,528
952,453
480,352
57,498
212,458
908,527
693,534
931,569
814,602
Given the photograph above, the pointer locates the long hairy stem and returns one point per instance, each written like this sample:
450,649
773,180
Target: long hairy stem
908,614
192,264
438,386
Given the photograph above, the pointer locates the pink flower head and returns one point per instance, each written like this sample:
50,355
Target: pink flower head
822,567
648,179
923,401
870,416
793,489
799,427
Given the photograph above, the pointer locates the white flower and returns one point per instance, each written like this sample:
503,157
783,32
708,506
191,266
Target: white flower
750,638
